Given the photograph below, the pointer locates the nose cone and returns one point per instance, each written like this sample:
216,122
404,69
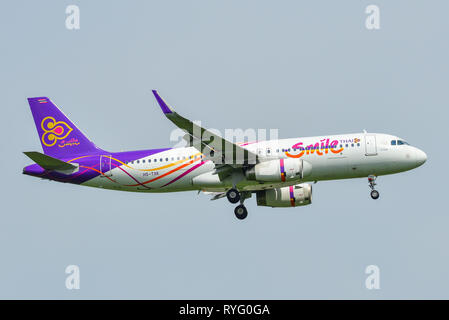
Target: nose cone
421,157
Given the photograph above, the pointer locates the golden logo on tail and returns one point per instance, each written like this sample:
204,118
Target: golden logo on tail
54,131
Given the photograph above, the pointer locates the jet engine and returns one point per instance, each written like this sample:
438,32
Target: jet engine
279,170
292,196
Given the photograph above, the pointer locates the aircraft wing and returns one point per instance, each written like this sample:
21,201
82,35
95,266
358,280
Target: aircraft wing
213,146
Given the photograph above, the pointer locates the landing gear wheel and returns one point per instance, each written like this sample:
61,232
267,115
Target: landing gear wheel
241,212
375,194
233,195
372,183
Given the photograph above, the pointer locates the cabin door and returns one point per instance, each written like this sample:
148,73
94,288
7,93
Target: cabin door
370,145
105,166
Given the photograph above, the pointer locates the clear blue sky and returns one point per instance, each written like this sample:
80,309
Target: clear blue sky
304,67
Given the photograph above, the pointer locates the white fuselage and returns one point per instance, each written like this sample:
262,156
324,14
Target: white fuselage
182,169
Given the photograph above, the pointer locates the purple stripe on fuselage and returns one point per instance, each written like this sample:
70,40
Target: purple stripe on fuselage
90,161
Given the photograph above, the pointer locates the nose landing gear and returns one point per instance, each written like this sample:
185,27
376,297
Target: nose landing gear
372,183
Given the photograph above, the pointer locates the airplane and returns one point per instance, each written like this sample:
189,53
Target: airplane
279,172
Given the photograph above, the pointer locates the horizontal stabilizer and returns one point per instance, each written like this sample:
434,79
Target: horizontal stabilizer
50,163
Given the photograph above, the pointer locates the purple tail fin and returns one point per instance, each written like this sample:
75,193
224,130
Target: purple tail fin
59,136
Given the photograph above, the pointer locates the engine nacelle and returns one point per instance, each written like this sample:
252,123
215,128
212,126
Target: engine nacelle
279,170
292,196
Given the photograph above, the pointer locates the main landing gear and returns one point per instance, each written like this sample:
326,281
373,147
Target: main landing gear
241,212
234,196
372,183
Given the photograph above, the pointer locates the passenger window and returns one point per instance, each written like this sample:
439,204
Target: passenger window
352,145
358,144
160,160
138,161
346,145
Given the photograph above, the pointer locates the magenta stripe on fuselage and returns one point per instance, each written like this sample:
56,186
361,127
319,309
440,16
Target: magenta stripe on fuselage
187,172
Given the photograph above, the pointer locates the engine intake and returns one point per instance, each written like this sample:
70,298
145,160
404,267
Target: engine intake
279,170
292,196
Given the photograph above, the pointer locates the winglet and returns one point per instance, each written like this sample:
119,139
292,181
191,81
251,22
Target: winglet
164,106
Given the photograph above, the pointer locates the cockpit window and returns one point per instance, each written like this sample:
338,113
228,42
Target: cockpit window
399,142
